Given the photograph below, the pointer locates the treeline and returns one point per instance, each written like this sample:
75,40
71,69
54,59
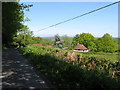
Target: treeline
12,20
25,37
102,44
15,33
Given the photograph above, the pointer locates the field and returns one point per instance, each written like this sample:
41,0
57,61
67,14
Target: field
107,56
81,71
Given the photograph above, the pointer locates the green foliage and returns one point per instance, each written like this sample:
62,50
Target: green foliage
103,44
66,41
25,31
47,41
12,18
23,38
85,38
107,56
58,43
75,40
117,40
37,40
106,43
63,73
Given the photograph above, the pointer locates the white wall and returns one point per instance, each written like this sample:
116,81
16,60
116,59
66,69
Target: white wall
81,50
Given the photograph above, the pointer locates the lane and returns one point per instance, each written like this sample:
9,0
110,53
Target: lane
17,72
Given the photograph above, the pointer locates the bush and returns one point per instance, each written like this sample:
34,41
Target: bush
68,75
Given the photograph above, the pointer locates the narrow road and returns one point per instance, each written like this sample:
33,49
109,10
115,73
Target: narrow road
18,73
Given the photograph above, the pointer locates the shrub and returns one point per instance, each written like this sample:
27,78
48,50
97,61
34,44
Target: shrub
68,74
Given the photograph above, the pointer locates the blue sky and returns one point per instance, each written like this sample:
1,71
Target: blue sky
44,14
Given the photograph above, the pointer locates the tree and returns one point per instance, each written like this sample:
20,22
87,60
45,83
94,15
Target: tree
75,40
85,38
66,41
58,43
12,18
37,40
106,43
48,41
24,37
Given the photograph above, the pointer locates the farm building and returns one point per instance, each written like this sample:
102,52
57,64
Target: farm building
80,48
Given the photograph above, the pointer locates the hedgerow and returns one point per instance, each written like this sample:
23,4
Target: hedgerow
64,73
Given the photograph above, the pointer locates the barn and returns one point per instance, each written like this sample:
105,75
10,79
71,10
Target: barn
80,48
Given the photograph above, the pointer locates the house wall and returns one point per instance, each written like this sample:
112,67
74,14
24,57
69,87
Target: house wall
86,50
81,50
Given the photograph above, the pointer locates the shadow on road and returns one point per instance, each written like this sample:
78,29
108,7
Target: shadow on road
17,73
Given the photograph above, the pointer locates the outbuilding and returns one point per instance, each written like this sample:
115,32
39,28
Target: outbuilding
80,48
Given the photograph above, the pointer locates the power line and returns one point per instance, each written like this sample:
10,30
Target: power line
80,16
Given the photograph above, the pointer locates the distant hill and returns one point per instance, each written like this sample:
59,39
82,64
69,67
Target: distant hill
52,37
48,37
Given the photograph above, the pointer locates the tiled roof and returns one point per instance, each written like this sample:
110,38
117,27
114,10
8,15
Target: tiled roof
80,47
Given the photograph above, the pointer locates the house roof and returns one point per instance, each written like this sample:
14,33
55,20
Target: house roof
37,44
80,47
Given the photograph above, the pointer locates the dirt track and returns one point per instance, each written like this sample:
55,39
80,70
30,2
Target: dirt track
18,73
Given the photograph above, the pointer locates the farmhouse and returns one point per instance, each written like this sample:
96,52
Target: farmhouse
80,48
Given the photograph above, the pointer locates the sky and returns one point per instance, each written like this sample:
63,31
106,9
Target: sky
66,0
44,14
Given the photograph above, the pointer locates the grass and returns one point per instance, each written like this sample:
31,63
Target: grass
107,56
66,75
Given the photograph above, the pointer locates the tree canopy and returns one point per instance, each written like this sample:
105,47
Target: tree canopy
58,43
12,20
66,41
106,43
24,37
85,38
